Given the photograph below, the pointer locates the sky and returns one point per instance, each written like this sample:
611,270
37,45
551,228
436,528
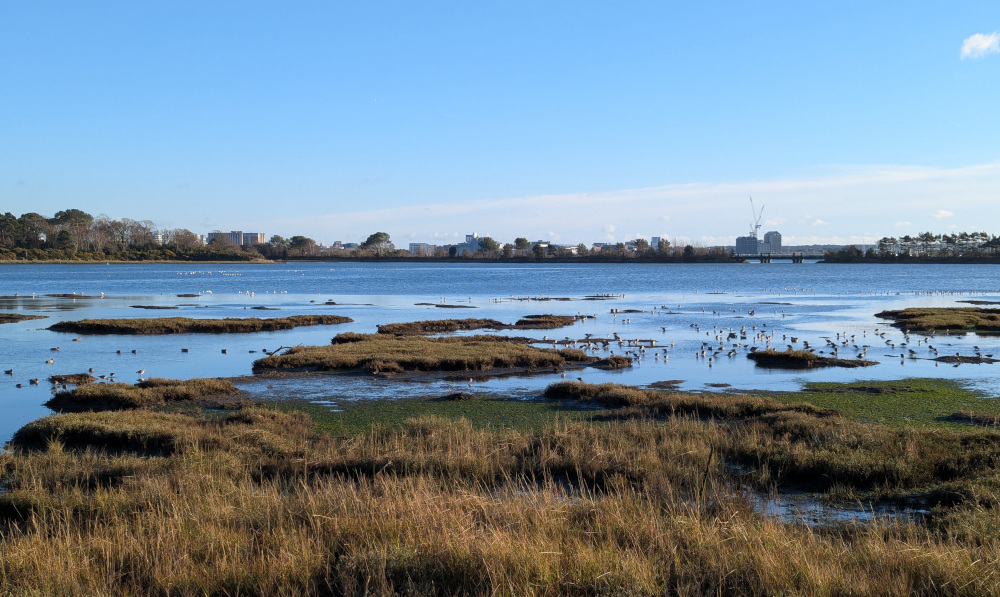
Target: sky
564,121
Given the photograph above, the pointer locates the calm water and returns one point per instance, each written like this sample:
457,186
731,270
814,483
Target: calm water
694,303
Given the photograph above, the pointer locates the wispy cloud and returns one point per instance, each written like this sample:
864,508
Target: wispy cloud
819,222
981,44
942,213
697,210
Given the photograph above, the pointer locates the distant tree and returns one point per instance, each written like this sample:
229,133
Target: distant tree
33,225
521,243
301,245
538,252
489,246
508,250
664,247
688,253
452,251
181,240
11,233
581,249
379,243
641,245
64,240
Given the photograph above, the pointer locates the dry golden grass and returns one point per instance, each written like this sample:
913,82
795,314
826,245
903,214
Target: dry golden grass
382,353
16,317
187,325
255,503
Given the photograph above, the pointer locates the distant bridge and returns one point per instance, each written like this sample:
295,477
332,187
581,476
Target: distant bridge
793,257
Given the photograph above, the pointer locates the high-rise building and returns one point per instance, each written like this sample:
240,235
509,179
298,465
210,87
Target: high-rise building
773,238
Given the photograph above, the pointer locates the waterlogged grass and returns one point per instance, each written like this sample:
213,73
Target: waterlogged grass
386,354
187,325
357,417
446,326
954,320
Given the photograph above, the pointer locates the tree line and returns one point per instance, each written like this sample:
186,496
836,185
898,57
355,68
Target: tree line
926,246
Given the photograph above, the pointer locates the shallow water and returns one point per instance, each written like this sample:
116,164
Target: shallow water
694,303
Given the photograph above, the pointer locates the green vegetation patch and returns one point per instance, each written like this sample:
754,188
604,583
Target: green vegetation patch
801,359
145,394
16,317
385,354
446,326
187,325
907,402
955,320
357,417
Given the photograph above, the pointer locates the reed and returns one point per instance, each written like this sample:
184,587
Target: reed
187,325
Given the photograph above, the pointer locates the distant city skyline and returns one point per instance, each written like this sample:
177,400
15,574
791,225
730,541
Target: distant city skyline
566,121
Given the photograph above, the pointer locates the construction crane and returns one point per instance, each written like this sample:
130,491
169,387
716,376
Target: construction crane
757,215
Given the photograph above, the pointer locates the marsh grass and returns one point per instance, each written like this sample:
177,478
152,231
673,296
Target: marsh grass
256,502
187,325
955,320
385,354
801,359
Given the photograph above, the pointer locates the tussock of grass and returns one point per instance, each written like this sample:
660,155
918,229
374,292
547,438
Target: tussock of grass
802,359
446,326
381,353
152,392
187,325
958,320
16,317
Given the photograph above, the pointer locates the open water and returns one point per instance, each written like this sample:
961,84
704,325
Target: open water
684,307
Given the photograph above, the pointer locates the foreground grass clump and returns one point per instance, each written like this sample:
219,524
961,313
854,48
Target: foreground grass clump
385,354
151,392
187,325
802,359
954,320
446,326
16,317
255,502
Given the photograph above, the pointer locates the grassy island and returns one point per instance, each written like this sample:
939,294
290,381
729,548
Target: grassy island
17,317
446,326
383,353
802,359
951,320
187,325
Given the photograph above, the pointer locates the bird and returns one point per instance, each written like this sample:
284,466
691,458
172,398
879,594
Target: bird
54,349
225,351
9,371
50,361
141,371
184,350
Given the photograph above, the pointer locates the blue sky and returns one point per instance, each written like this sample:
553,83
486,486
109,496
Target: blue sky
569,121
